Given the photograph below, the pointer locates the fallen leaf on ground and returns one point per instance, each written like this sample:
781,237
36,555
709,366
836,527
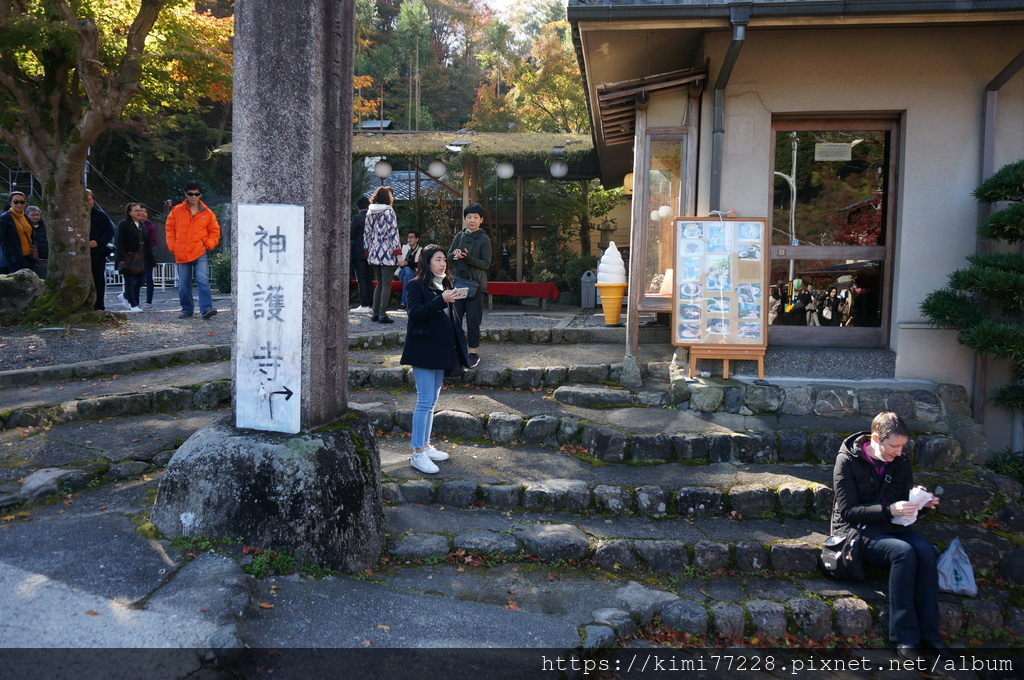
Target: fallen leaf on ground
266,605
367,642
514,606
383,627
92,613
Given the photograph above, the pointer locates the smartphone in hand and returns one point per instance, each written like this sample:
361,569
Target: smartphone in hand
461,293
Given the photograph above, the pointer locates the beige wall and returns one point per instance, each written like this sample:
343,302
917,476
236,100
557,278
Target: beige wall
934,79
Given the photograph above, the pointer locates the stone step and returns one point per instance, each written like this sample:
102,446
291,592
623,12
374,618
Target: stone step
654,435
118,365
673,498
704,577
143,400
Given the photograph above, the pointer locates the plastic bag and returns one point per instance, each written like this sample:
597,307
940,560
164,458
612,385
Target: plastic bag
955,572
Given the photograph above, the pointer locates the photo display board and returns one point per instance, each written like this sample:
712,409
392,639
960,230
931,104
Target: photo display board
720,290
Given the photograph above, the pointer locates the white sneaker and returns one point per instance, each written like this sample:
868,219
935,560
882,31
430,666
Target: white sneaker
147,305
135,310
435,454
127,305
360,310
421,462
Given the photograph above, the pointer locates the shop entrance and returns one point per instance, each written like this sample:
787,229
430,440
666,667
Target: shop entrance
831,223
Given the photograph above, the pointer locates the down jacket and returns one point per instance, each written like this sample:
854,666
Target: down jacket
860,491
189,236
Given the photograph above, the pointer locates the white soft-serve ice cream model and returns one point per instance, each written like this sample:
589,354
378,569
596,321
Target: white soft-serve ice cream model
611,283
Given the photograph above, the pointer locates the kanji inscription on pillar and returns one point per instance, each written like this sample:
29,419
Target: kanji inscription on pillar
268,336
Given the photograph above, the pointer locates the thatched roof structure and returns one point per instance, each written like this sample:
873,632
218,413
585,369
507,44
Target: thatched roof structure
529,152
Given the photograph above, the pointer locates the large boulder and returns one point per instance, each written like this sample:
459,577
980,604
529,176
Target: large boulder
315,495
19,290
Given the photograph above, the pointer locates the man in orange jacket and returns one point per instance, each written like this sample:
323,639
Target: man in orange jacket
193,231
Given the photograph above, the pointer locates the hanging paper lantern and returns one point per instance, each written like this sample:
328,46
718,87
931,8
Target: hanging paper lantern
382,169
505,170
559,169
437,169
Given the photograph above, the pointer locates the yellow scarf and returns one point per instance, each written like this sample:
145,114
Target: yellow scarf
24,229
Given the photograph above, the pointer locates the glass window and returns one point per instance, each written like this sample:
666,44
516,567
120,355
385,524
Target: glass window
830,187
851,289
664,182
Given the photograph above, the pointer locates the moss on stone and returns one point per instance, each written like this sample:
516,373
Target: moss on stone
149,531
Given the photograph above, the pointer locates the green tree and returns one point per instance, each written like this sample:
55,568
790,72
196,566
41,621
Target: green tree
413,35
67,72
985,301
546,92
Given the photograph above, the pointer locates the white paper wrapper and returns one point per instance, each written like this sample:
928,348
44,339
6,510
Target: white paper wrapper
918,495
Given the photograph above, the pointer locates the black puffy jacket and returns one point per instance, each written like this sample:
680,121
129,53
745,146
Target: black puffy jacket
859,490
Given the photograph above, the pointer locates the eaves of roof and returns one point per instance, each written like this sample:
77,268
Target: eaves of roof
590,10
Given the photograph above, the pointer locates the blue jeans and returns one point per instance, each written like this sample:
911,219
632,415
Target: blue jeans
428,389
201,270
149,285
405,275
913,586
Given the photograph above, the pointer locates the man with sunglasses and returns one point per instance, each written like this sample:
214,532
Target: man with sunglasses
192,232
15,236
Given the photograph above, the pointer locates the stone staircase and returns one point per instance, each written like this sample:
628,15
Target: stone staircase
688,506
705,501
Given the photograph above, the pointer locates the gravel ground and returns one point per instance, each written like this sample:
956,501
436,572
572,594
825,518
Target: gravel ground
160,328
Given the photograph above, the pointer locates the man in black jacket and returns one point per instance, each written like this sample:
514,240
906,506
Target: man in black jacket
101,233
872,481
360,267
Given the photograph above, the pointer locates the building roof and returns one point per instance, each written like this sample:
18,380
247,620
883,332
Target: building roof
403,184
694,9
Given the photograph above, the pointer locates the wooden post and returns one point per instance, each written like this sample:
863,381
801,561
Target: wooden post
519,227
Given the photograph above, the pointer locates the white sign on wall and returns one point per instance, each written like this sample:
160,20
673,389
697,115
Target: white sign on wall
268,335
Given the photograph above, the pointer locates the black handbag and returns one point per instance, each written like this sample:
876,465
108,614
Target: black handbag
465,282
134,263
843,556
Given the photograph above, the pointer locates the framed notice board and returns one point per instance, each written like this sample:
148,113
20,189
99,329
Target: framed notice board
720,289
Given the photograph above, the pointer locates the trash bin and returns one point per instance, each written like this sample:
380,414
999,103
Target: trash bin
588,296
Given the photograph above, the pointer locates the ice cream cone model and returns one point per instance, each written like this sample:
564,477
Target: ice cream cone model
611,284
611,301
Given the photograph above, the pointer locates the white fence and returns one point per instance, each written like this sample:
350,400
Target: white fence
165,275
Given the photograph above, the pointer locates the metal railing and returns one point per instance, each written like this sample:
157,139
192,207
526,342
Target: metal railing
165,275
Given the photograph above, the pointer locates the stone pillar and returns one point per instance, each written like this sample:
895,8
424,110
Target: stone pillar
292,145
315,493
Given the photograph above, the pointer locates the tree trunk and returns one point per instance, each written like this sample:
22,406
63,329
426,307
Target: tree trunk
69,281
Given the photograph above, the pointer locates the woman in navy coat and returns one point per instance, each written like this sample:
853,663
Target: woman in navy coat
434,346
